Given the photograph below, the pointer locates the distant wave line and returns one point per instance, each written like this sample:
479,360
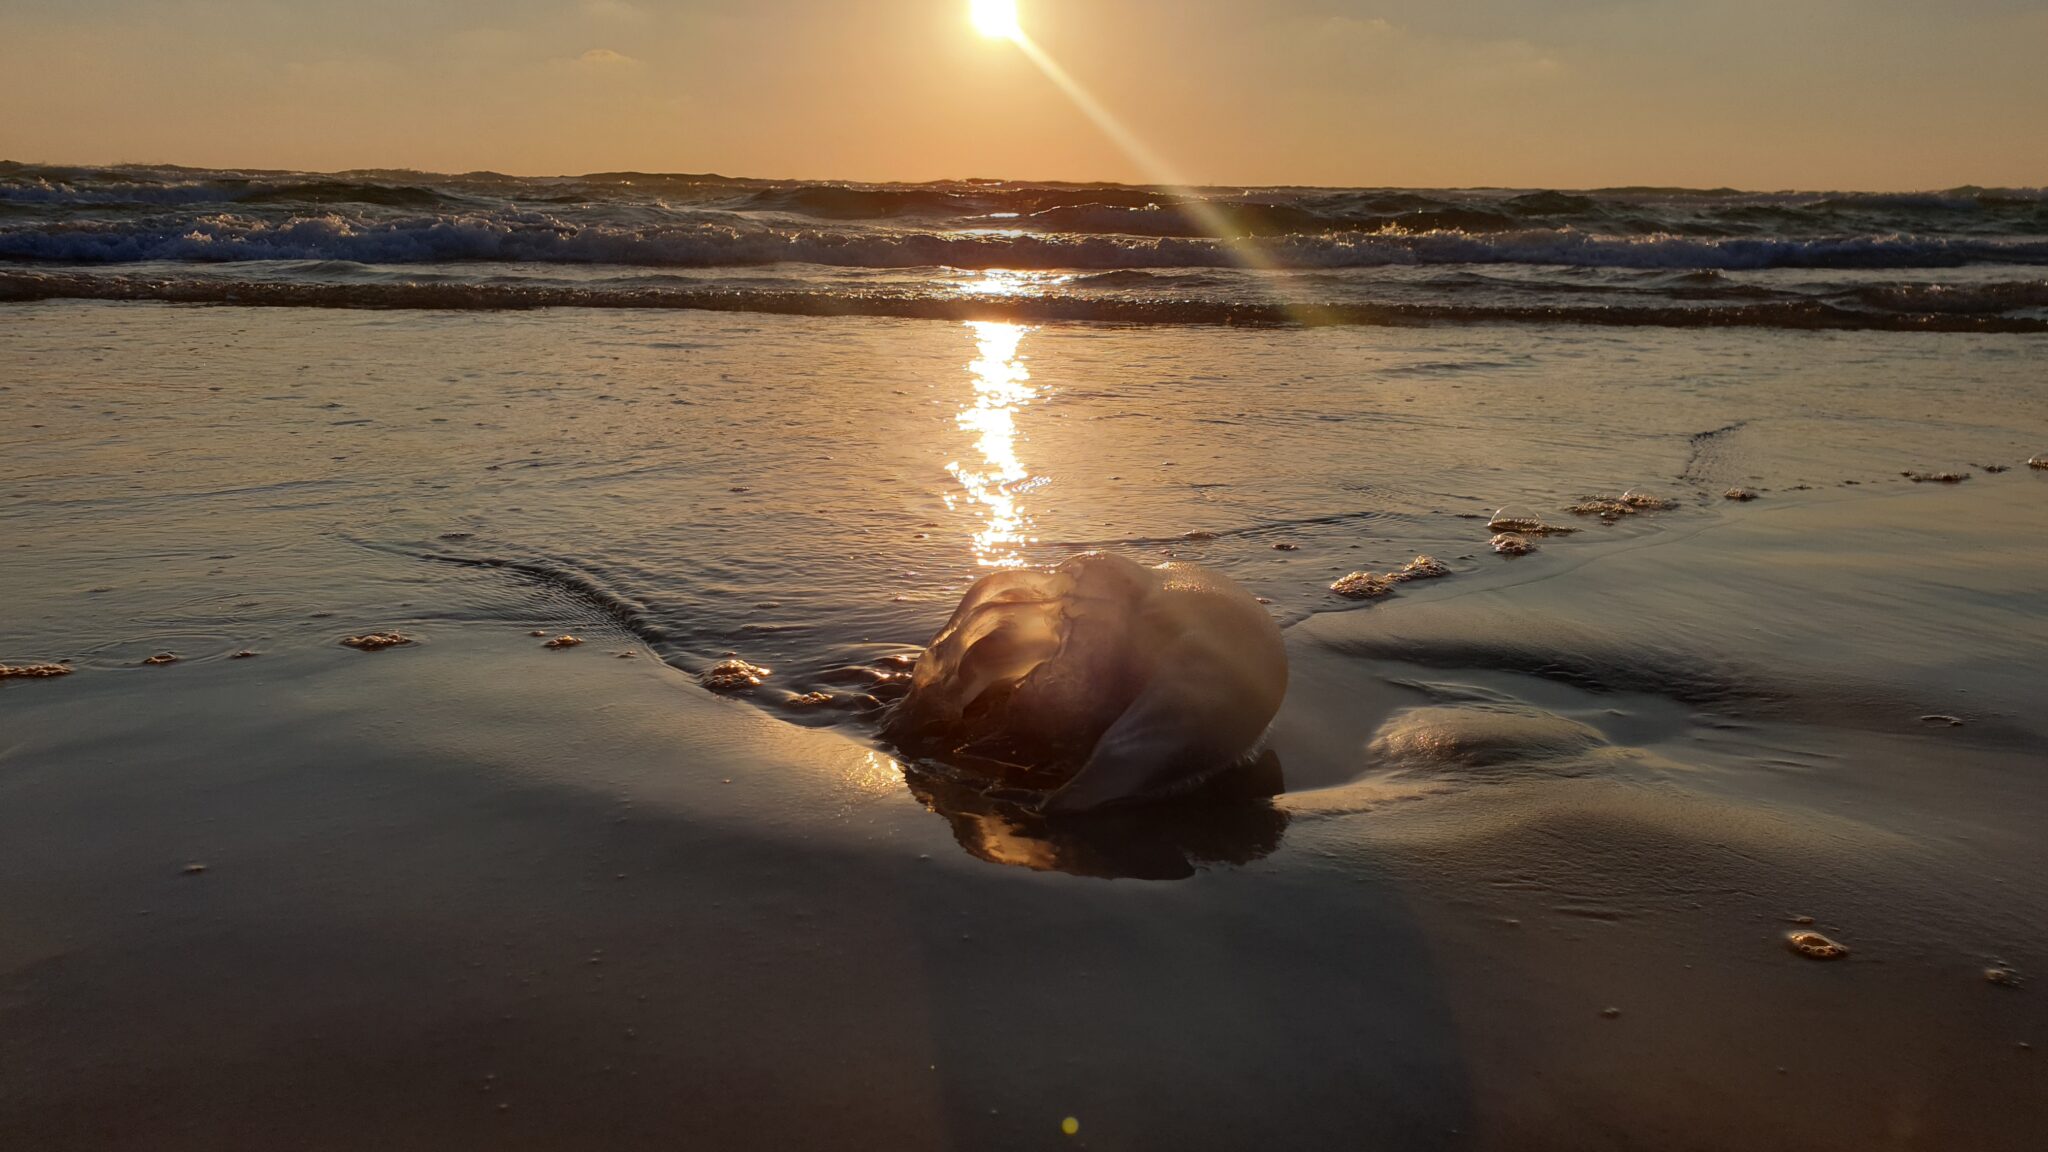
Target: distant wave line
540,238
28,286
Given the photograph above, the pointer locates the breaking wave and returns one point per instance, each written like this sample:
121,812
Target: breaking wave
1964,259
527,236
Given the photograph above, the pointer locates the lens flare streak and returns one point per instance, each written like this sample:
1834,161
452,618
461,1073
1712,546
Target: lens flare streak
1242,249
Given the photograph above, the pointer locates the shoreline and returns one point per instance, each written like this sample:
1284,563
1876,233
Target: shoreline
39,285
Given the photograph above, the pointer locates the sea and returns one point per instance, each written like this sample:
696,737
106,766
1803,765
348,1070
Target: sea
1704,812
1959,260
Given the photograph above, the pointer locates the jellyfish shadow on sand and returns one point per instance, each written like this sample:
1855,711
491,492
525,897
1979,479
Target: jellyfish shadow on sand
1230,821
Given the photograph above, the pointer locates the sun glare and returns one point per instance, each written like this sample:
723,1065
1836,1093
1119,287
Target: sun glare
1002,390
996,19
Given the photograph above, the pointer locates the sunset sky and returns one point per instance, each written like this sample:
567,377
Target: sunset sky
1889,94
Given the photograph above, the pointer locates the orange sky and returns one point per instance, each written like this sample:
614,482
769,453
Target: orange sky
1557,93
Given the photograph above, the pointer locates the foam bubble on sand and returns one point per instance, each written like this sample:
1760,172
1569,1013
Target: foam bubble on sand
32,671
2040,461
1423,568
1601,507
1815,946
1436,738
1098,681
1627,504
1508,521
1363,586
1511,544
376,641
735,675
1936,477
564,642
1372,585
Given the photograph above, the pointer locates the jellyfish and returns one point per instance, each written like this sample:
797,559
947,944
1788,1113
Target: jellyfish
1098,682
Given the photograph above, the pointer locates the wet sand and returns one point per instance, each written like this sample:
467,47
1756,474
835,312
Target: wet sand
1520,869
469,893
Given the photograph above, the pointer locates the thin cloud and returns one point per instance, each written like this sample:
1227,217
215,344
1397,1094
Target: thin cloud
605,58
613,10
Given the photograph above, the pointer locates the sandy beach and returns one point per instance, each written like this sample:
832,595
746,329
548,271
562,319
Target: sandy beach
1546,829
524,903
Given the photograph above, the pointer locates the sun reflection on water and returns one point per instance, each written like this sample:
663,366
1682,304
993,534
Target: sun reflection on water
875,774
1002,389
1003,282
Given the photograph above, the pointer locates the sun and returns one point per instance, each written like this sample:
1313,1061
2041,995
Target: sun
996,19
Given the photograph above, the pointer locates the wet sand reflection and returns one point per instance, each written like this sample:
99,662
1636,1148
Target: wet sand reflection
1232,820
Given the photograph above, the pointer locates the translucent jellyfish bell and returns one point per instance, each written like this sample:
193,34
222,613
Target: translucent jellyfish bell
1099,681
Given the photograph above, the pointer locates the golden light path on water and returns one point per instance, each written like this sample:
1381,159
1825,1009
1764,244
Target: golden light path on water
1001,390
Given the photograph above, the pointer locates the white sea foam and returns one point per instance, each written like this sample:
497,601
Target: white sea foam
531,236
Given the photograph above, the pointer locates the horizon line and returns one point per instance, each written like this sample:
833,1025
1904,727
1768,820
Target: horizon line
719,177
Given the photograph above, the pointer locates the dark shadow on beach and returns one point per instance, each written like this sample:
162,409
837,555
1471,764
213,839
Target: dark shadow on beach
1231,821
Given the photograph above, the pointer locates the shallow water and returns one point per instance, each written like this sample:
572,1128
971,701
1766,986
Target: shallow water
810,493
812,496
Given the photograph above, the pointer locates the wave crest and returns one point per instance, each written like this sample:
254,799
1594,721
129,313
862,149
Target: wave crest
549,238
